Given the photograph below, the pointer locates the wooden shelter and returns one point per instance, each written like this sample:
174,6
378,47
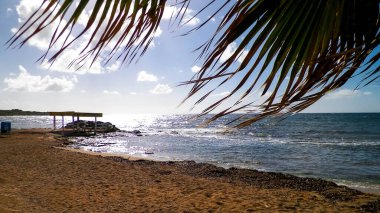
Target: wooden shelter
74,115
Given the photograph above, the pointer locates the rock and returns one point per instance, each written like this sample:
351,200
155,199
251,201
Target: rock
137,132
101,126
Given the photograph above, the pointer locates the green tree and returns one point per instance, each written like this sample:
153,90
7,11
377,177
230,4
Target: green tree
318,44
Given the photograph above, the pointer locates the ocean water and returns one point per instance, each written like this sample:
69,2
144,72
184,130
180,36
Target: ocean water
344,148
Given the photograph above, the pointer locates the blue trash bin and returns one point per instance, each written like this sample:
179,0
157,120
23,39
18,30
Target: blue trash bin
5,127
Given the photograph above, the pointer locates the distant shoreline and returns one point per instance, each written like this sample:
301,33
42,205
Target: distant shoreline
18,112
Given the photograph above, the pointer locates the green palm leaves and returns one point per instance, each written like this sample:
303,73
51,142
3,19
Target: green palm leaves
294,52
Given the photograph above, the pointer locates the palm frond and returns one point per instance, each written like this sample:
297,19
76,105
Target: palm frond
131,24
317,45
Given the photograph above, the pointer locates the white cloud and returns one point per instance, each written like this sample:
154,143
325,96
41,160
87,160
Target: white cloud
84,17
266,95
188,17
13,30
230,50
170,11
133,93
62,64
9,11
111,92
25,82
222,94
142,36
346,93
114,67
26,8
83,20
191,21
158,32
161,89
195,69
144,76
41,40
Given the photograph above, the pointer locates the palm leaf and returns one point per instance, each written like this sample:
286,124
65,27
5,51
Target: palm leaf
131,23
320,45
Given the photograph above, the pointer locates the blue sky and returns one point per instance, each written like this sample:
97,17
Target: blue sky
149,86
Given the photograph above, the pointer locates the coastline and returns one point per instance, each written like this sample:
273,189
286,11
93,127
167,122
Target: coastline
134,158
123,156
35,176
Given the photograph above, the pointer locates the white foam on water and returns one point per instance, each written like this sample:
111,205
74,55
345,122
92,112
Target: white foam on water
361,186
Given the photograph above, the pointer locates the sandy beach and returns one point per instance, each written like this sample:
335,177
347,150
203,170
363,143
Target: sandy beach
37,175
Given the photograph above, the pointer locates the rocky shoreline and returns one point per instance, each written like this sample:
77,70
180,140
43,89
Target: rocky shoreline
266,180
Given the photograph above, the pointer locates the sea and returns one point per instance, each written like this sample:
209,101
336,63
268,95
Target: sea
340,147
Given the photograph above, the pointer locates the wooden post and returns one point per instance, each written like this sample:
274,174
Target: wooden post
95,125
63,125
77,122
54,124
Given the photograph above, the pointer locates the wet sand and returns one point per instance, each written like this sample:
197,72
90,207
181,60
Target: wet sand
36,176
